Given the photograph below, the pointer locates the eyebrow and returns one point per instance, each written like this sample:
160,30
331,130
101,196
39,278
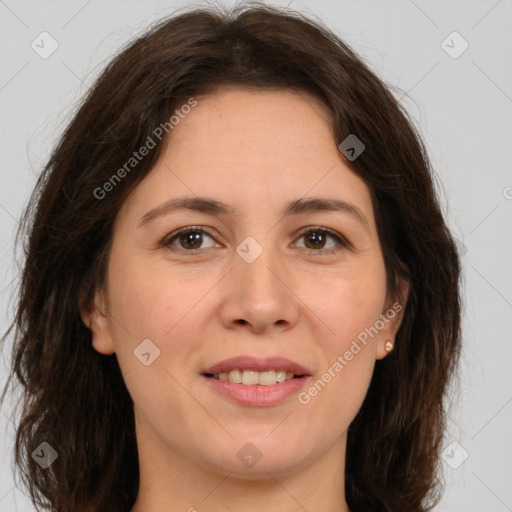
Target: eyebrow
216,208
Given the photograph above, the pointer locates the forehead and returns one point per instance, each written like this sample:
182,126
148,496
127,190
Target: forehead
250,120
253,148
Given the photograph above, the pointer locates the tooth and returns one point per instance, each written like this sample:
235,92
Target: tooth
235,376
252,377
280,375
267,378
249,377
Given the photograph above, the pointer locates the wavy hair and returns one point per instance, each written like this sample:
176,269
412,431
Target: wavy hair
75,399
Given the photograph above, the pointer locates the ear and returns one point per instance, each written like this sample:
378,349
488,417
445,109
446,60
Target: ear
392,316
95,316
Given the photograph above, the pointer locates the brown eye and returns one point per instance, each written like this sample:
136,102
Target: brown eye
188,239
316,239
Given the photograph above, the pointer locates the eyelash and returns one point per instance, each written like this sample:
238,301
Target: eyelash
167,241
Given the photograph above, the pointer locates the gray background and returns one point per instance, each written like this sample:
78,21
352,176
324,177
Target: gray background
462,106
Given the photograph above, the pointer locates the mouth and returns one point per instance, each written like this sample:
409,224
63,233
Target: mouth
252,370
257,382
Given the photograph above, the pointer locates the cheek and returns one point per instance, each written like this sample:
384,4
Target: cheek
345,393
145,306
349,354
350,304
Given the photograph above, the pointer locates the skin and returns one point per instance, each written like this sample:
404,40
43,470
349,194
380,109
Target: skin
255,151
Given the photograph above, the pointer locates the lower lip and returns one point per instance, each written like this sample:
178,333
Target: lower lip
257,395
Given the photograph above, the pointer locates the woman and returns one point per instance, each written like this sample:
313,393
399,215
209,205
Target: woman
239,290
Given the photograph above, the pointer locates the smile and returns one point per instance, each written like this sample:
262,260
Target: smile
251,377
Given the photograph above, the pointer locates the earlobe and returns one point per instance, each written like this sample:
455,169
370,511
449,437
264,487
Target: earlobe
385,347
94,315
393,312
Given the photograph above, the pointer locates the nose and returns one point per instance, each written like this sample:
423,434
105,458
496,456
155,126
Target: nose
259,296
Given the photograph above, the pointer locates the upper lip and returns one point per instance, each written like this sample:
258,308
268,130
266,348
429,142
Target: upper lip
259,364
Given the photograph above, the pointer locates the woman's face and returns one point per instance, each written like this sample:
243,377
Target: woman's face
257,277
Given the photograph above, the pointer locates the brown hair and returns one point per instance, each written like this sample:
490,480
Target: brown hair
75,399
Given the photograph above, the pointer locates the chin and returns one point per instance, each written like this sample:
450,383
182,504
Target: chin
254,457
